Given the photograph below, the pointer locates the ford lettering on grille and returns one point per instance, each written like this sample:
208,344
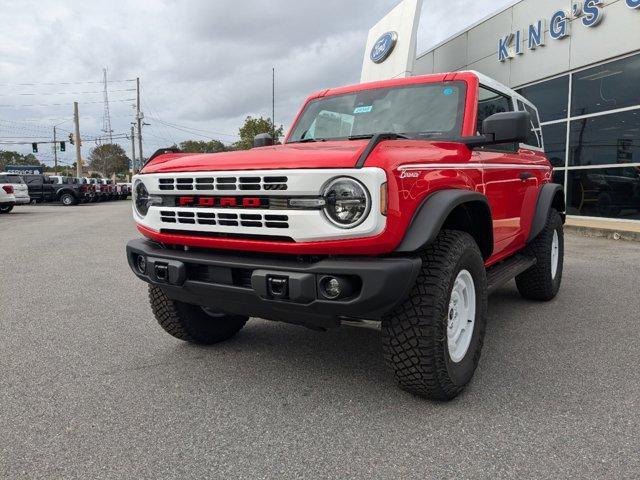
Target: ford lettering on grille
231,202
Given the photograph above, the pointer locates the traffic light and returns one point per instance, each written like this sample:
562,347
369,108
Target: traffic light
63,147
71,141
34,147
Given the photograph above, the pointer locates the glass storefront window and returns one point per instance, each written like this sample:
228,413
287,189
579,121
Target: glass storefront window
555,143
550,98
604,192
606,139
606,87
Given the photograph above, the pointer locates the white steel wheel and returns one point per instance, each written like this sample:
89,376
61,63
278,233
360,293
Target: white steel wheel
555,253
461,316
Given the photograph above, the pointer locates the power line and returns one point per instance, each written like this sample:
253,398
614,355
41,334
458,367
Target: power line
37,94
61,104
61,83
193,130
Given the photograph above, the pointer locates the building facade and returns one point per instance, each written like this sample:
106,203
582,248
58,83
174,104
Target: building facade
579,63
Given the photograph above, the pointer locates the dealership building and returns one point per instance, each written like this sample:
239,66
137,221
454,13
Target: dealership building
578,61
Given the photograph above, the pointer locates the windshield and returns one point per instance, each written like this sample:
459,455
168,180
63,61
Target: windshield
430,110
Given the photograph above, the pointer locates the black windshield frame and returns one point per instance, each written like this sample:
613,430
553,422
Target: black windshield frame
455,132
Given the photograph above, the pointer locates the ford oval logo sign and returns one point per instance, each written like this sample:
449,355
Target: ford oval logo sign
383,47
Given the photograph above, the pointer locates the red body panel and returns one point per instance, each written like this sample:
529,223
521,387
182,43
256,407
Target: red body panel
437,166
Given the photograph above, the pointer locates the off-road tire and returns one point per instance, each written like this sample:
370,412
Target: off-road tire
414,334
6,209
537,283
190,322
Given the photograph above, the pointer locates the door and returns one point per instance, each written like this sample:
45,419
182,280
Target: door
505,183
34,184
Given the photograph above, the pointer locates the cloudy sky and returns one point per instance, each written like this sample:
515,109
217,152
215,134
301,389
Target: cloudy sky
204,65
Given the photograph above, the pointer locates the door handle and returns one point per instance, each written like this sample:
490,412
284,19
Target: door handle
525,176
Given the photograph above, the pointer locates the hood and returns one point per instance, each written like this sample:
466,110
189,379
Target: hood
332,154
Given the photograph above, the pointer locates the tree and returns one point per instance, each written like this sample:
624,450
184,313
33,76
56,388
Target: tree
15,158
200,146
255,126
109,158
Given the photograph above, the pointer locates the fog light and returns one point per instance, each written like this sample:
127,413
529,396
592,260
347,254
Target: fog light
331,287
141,263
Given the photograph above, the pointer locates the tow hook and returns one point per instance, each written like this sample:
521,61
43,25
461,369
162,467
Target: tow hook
278,287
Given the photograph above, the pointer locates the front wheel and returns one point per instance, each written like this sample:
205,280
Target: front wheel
542,281
192,323
6,209
432,341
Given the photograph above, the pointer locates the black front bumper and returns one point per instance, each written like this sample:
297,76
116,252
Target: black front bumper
240,283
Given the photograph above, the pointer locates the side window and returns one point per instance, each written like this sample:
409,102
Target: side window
490,102
535,136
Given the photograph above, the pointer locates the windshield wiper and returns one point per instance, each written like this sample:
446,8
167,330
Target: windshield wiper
387,135
310,139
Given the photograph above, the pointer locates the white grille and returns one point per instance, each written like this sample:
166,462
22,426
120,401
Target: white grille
223,183
224,219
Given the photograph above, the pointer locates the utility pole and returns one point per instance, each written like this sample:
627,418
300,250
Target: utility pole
273,102
133,151
106,117
139,116
55,151
76,120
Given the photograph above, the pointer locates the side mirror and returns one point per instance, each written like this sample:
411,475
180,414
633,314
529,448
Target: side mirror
508,127
504,127
262,140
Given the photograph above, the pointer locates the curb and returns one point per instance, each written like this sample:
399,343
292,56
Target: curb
594,232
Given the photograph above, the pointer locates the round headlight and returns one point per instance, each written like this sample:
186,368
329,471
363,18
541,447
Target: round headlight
140,198
347,202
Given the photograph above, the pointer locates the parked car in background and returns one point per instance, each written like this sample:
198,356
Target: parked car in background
97,188
40,187
125,190
105,193
20,189
66,190
91,188
88,193
7,198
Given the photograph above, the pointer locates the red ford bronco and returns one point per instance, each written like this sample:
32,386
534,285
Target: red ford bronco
404,201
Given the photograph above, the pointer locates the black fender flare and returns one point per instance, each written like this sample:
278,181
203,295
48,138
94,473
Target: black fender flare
432,214
550,195
62,191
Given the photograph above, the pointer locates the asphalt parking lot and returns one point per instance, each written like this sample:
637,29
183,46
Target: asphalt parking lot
91,387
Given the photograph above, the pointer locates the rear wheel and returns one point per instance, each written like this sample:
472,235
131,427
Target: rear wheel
193,323
67,199
542,281
432,341
6,209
